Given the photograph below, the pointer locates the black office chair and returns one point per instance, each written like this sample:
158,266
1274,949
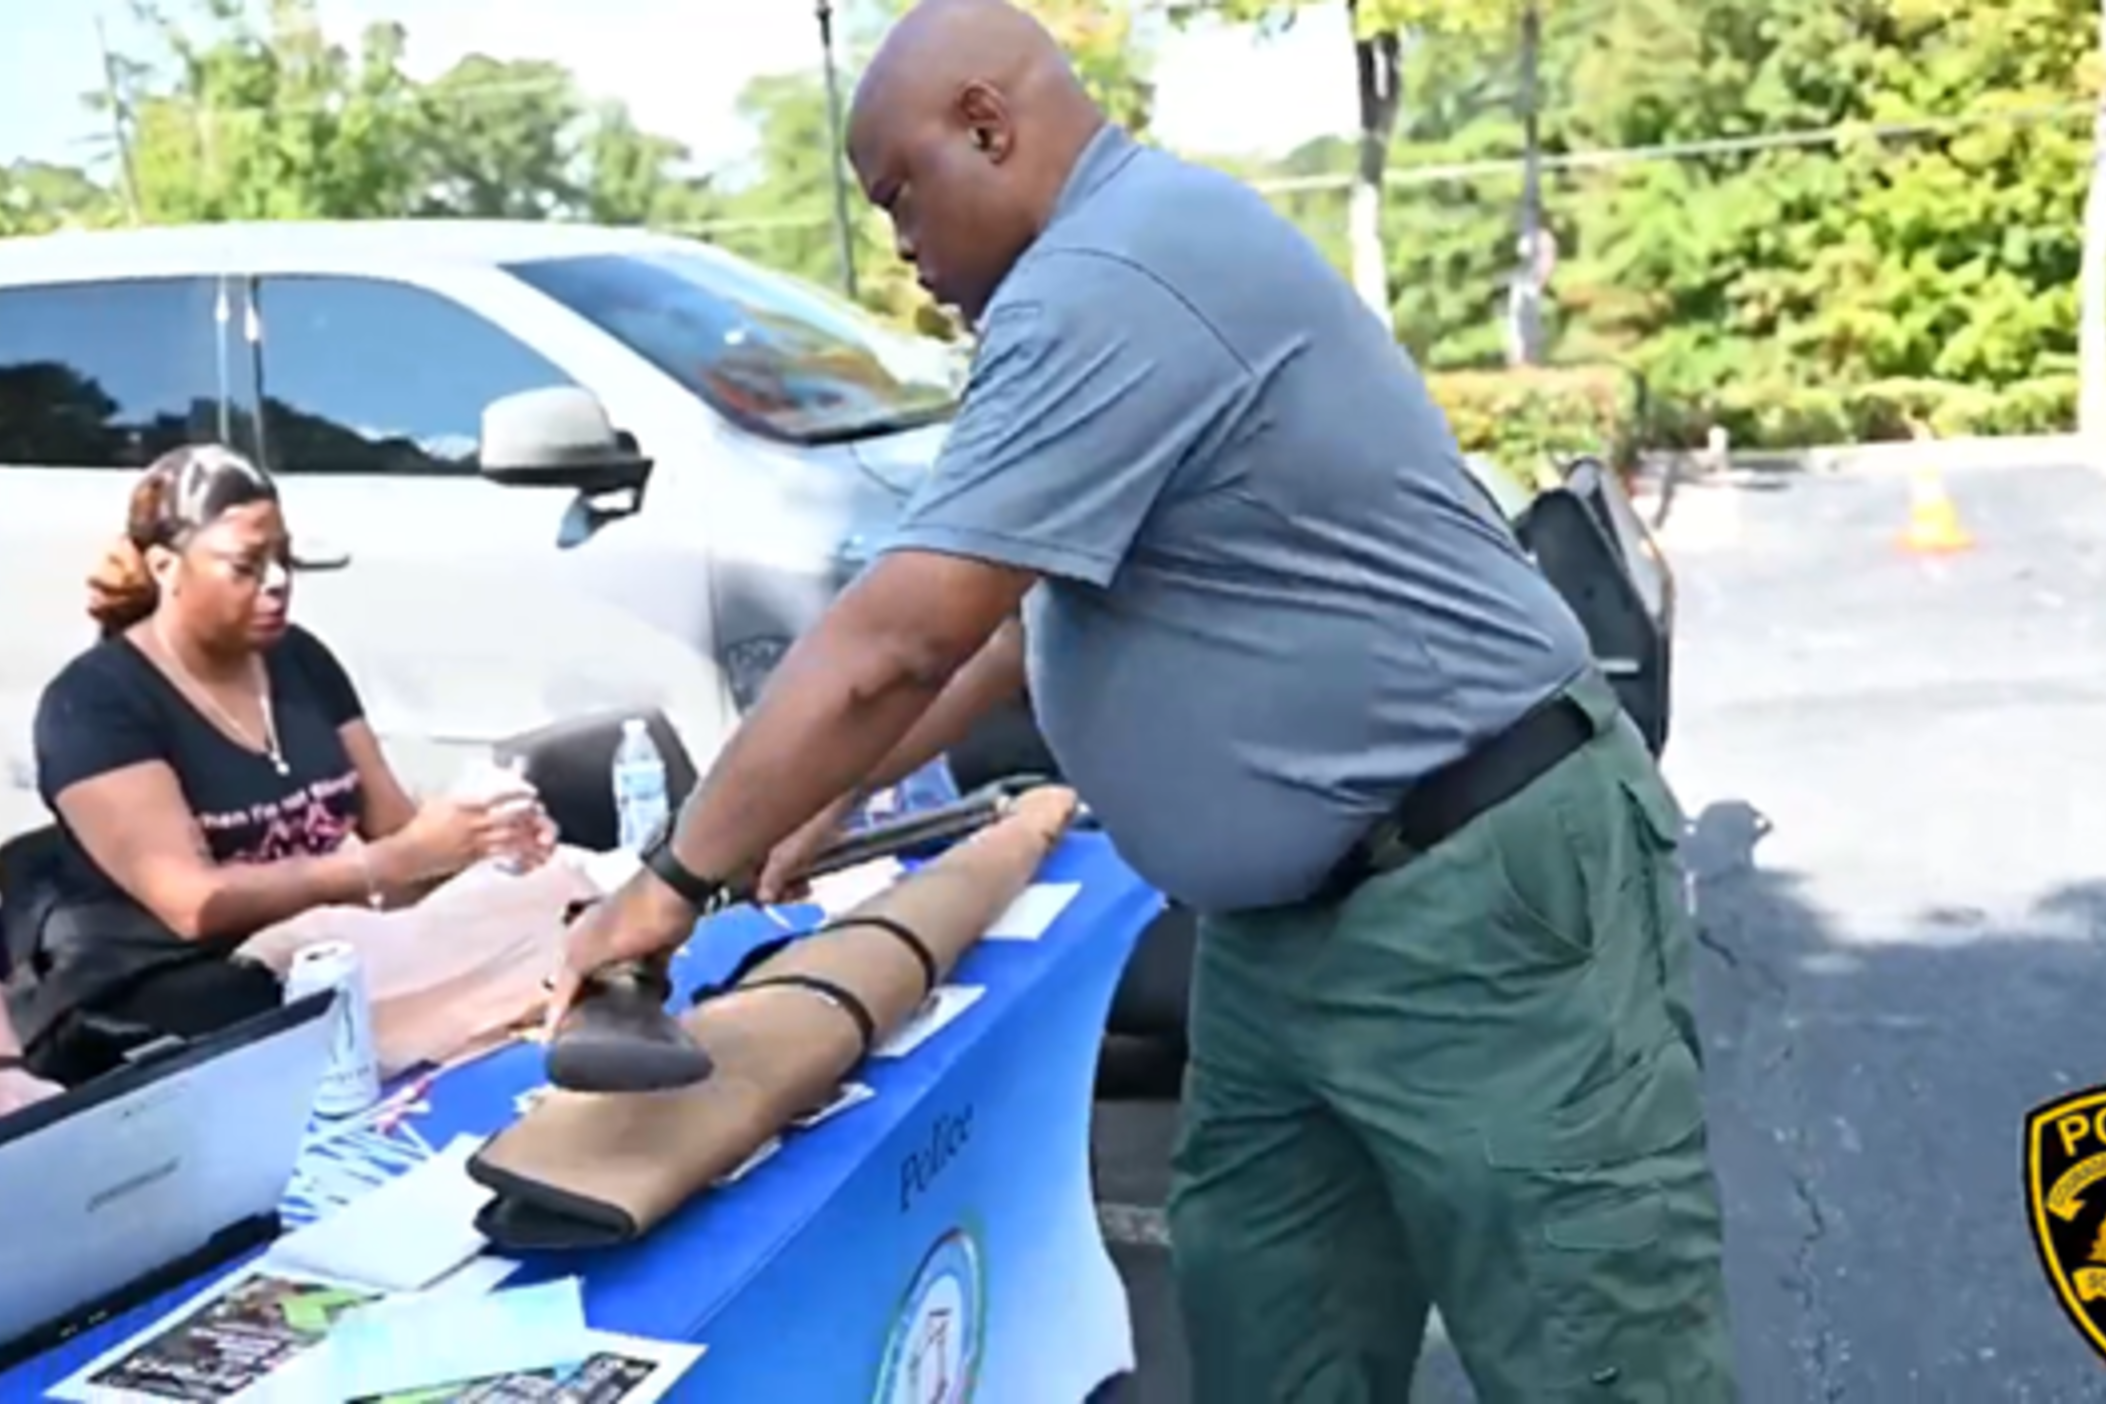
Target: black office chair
1144,1049
24,859
572,764
1589,541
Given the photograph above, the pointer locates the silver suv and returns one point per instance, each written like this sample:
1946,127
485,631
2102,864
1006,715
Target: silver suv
356,361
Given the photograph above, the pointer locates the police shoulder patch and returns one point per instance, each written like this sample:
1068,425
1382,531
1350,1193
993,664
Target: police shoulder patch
2065,1163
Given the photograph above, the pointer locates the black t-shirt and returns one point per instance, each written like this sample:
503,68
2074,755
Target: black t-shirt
111,708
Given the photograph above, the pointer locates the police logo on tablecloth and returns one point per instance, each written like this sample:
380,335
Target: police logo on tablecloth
933,1353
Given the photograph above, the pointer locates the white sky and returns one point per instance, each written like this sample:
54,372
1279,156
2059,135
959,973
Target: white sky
681,63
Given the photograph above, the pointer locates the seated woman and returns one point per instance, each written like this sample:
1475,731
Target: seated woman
209,764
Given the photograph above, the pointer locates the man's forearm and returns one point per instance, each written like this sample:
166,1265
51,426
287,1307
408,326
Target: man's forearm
837,708
994,676
816,733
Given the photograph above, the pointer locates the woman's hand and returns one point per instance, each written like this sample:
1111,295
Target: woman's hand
20,1088
782,876
530,839
449,834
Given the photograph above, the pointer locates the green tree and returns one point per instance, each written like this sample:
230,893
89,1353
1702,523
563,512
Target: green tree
1383,31
36,197
2091,301
783,215
1921,268
1111,53
1936,239
246,110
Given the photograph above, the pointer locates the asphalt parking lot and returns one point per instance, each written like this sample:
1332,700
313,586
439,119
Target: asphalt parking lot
1893,768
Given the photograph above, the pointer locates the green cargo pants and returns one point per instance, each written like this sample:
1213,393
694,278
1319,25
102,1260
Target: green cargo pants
1471,1085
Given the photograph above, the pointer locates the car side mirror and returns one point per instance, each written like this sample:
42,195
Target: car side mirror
559,437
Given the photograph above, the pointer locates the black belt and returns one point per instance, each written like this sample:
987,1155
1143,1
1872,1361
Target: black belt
1441,804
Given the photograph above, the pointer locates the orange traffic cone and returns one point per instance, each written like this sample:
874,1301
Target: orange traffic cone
1934,523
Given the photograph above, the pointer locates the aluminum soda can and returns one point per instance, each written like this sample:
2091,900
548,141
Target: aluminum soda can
351,1082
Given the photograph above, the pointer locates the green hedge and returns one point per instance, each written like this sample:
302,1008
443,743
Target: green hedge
1781,416
1527,419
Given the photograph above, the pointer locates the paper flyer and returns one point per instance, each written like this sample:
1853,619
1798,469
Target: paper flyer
848,1094
936,1014
254,1339
222,1345
1033,912
621,1370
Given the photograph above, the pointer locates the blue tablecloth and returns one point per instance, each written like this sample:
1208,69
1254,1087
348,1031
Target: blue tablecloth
936,1239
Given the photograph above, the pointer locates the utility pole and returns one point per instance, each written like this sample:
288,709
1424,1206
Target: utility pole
1525,301
844,235
120,130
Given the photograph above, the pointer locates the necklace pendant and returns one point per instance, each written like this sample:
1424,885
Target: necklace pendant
278,764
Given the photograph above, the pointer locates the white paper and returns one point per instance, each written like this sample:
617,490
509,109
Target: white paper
401,1237
1033,912
474,1277
762,1154
451,1338
937,1012
843,891
848,1094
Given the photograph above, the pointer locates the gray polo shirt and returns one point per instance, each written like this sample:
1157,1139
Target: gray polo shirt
1271,597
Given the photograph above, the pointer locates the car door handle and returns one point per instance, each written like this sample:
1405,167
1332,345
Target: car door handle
322,558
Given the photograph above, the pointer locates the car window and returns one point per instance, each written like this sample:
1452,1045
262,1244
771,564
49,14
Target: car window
108,375
363,375
768,352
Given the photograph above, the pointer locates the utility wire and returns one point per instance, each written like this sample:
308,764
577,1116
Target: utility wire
1609,157
1605,157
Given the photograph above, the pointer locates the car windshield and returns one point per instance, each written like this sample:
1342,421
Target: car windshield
770,353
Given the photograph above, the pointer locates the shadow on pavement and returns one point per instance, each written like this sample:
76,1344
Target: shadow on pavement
1867,1104
1867,1108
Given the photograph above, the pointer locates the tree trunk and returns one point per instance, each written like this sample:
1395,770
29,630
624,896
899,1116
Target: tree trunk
1376,63
2091,287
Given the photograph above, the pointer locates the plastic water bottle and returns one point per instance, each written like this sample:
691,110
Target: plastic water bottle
639,785
498,778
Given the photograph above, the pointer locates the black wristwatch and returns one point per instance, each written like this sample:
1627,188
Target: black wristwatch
707,896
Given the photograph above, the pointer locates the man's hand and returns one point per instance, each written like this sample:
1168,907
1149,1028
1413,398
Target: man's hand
20,1088
782,876
642,918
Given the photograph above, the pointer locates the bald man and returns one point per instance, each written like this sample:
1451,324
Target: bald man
1441,1045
